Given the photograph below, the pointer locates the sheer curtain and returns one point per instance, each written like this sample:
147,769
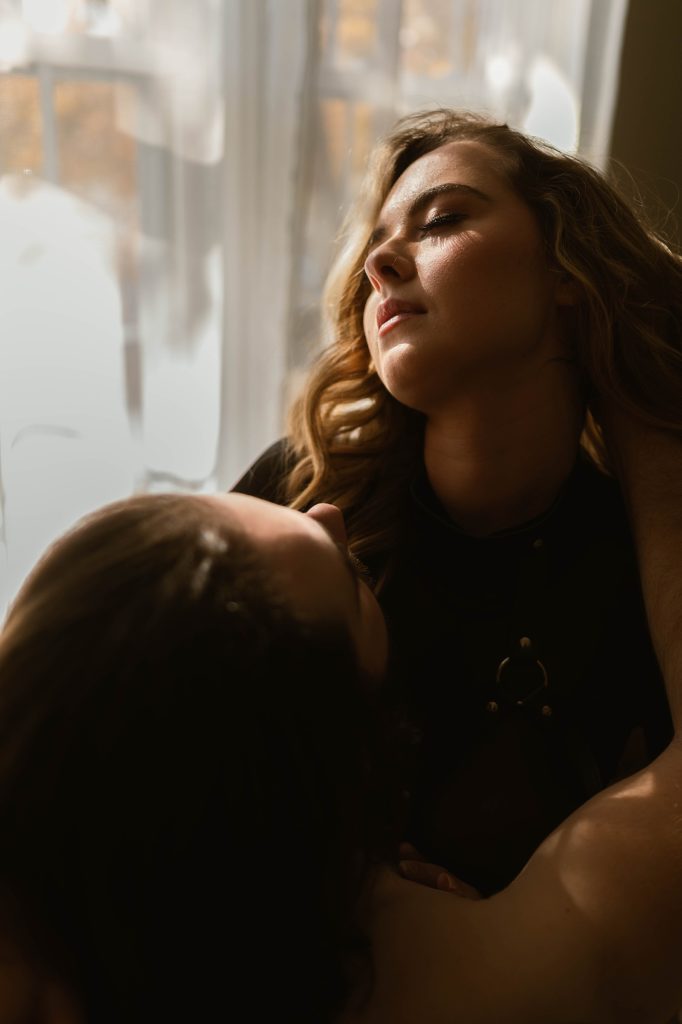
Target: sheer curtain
172,176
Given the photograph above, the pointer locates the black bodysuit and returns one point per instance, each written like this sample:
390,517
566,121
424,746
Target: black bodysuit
523,659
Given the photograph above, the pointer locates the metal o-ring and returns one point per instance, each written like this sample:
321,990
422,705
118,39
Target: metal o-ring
505,662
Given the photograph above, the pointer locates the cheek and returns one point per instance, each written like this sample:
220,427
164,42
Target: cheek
477,262
520,261
453,271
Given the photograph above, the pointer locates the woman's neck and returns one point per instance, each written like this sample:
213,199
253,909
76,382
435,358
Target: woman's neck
496,461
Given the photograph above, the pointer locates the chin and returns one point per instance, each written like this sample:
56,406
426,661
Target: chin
403,373
416,391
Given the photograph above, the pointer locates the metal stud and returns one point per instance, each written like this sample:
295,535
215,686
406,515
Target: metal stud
492,706
546,711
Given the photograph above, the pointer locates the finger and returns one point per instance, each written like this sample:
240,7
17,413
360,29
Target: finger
407,851
331,517
448,883
433,876
420,871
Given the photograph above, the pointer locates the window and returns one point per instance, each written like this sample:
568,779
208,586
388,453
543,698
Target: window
112,323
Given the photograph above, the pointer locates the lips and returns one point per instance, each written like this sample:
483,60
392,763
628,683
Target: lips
392,311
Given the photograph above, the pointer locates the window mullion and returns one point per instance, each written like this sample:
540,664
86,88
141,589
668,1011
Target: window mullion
45,76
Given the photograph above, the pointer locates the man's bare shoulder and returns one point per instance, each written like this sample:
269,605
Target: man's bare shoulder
589,933
441,959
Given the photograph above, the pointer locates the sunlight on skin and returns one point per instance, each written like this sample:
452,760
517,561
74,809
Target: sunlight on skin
612,823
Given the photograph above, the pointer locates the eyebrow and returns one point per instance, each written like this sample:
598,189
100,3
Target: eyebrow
424,198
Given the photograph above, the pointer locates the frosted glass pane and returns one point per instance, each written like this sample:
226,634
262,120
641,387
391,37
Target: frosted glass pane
21,147
91,17
355,32
96,160
65,444
426,37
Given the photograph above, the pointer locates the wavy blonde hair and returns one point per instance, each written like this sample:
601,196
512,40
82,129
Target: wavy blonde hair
357,446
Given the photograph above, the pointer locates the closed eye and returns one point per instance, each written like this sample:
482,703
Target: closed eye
441,221
362,571
357,569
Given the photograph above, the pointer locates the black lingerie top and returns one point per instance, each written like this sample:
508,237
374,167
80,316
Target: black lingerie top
523,660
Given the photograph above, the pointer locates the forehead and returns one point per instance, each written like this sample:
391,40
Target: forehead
301,556
467,163
267,524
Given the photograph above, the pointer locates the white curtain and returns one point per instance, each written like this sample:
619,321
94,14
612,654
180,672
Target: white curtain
172,175
266,68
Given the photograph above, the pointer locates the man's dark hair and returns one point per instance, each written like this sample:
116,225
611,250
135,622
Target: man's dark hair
188,786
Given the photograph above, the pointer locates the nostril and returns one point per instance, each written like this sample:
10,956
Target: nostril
331,518
381,265
390,269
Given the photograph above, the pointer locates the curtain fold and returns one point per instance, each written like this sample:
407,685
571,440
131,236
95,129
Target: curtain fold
268,46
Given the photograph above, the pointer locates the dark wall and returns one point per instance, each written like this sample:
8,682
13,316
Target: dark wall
647,130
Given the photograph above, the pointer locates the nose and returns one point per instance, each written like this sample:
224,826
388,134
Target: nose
387,263
331,518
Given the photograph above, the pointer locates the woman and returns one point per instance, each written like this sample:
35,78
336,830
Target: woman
189,800
489,287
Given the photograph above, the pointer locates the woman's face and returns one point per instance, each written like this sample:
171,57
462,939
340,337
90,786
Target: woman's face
309,560
462,291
